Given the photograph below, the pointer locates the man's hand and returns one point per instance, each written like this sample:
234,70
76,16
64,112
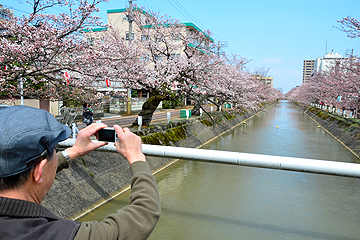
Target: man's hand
83,144
129,145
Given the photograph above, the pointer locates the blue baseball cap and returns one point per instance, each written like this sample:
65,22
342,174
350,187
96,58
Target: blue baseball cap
25,134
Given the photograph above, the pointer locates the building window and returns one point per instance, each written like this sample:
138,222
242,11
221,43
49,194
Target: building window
158,57
145,58
145,38
128,36
90,40
158,38
175,56
175,36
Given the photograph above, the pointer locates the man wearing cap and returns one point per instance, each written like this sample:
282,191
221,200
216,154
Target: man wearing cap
28,165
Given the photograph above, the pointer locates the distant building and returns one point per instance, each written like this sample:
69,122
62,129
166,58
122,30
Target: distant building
6,14
266,80
326,62
308,68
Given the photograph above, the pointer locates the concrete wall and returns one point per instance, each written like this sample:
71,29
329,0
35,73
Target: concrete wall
345,130
99,176
53,105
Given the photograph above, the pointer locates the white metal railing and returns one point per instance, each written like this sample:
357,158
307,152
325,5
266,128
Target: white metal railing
339,111
244,159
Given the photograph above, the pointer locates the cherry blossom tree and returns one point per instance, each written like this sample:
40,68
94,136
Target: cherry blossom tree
339,86
40,48
184,62
177,59
351,26
50,55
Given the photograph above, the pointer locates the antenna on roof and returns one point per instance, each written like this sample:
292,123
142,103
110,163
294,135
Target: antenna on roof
326,47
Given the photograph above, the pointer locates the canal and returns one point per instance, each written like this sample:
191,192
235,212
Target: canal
215,201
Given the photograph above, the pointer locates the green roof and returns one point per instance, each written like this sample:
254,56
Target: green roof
99,29
124,10
116,10
189,24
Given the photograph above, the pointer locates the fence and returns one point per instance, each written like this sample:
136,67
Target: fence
351,113
119,105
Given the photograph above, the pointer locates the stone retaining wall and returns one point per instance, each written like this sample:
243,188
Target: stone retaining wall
99,176
346,130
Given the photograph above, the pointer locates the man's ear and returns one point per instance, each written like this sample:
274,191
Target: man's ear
38,171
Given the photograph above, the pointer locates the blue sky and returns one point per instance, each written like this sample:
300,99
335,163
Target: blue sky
279,34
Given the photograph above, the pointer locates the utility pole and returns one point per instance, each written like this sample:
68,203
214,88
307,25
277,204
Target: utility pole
130,19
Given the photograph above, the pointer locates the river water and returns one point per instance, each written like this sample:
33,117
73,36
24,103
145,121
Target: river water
216,201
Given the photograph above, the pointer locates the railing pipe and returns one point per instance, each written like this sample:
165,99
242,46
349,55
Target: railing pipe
245,159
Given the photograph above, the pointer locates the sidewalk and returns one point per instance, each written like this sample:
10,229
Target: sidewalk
112,115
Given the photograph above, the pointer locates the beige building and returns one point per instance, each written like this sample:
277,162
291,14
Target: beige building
266,80
5,14
119,20
308,68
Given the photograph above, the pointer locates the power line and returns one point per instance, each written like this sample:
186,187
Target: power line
12,8
15,9
189,14
182,10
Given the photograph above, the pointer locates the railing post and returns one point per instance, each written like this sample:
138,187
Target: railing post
75,130
168,115
139,122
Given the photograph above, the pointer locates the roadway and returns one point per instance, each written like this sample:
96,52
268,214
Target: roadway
126,121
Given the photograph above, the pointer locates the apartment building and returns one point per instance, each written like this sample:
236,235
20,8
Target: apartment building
266,80
6,14
308,68
119,20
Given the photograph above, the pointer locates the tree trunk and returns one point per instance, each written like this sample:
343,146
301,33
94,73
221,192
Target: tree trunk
219,104
196,109
148,109
197,106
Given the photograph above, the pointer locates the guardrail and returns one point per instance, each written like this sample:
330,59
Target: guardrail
244,159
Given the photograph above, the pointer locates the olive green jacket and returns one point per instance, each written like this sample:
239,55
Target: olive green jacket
135,221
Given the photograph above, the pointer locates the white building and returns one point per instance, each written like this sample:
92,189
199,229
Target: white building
326,62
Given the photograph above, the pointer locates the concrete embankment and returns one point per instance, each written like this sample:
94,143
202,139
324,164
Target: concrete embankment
345,130
99,176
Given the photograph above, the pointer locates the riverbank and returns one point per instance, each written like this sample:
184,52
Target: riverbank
345,130
99,176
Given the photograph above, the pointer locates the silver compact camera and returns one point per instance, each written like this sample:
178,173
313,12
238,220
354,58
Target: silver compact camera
107,135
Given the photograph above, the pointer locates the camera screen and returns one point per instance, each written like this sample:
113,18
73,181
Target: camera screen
106,135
